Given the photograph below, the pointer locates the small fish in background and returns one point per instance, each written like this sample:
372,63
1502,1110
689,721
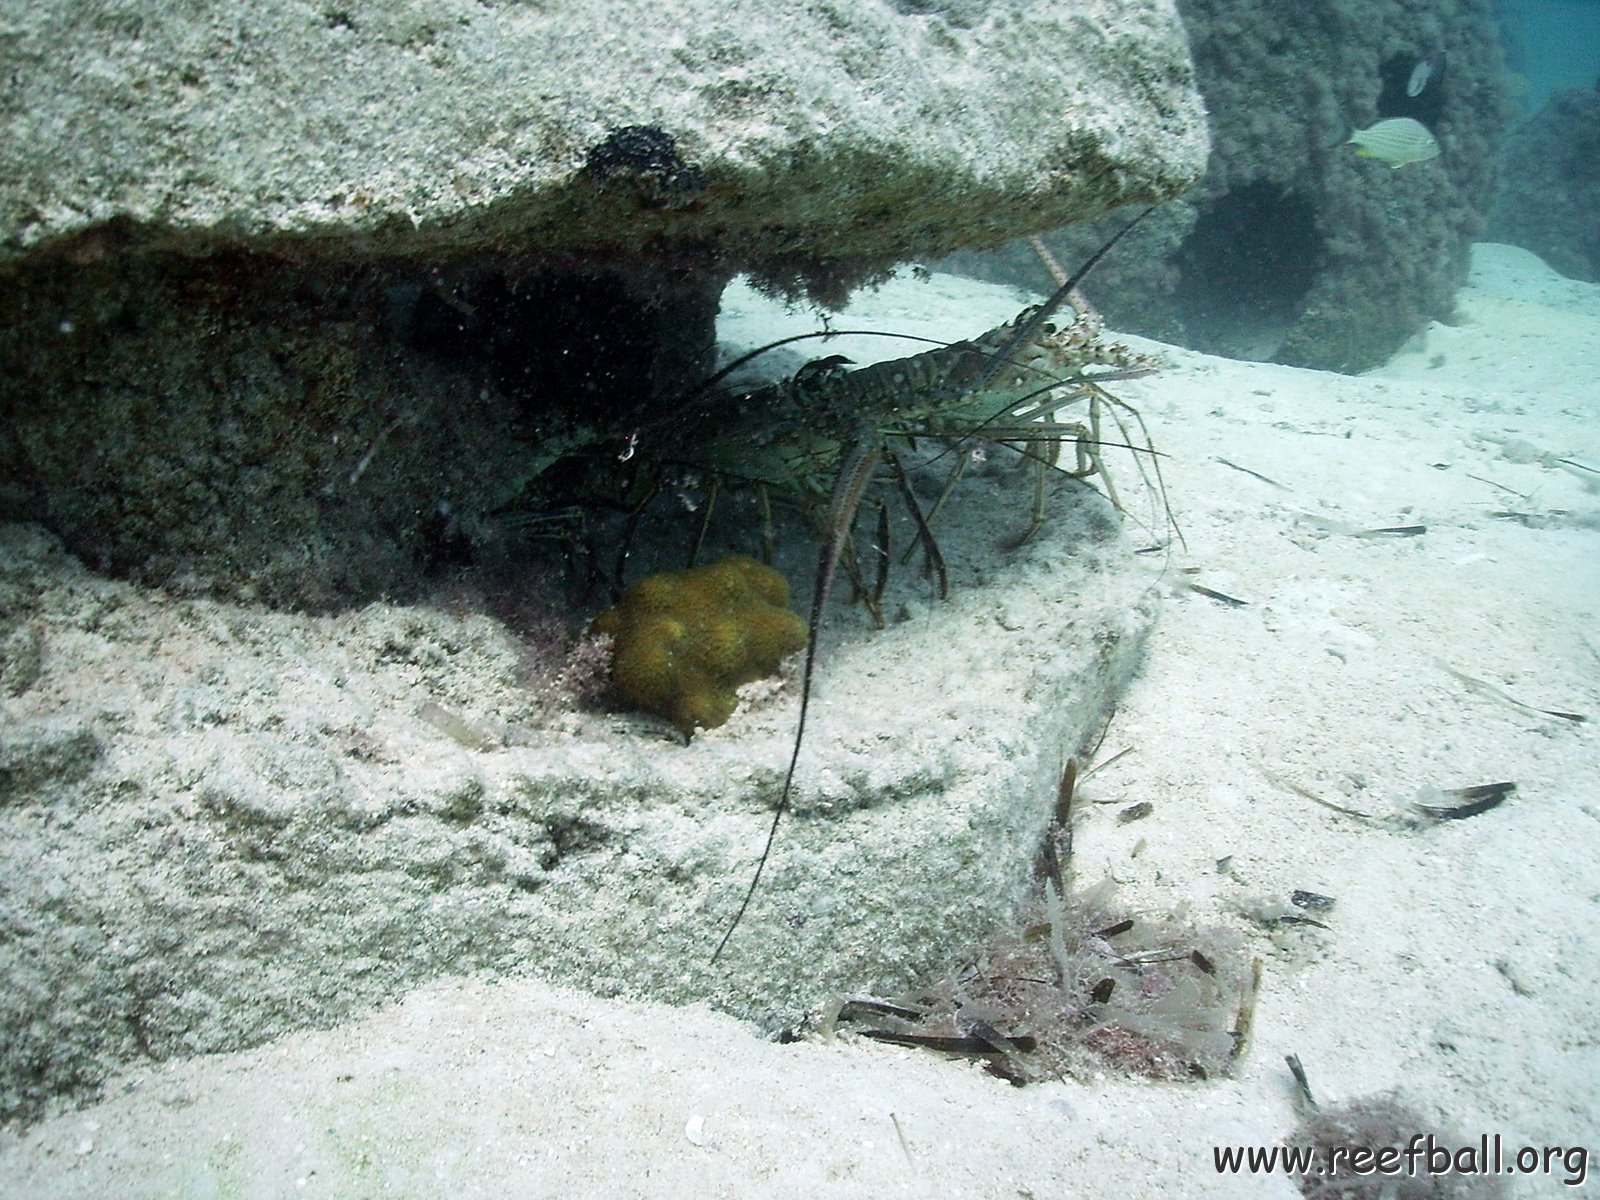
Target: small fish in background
1397,141
1429,67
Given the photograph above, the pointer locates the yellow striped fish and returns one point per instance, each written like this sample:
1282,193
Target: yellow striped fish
1397,141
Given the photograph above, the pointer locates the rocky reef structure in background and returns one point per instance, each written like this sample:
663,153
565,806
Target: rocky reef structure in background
1292,249
282,284
1549,191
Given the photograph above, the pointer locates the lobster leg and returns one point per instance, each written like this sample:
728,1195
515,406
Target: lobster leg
933,560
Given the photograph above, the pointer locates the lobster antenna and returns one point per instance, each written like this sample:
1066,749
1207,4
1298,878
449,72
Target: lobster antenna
1045,311
848,489
854,476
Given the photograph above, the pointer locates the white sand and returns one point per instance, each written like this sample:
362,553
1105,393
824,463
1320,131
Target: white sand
1459,968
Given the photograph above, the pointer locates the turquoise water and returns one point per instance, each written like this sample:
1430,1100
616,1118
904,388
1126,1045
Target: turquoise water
1552,44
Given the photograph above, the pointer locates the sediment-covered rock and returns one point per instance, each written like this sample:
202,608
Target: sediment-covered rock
219,823
1549,185
1292,249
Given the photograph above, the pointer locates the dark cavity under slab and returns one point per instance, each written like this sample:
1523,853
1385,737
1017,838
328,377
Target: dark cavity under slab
316,435
1245,269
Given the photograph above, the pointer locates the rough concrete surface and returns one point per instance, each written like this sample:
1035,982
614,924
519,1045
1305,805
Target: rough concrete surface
432,127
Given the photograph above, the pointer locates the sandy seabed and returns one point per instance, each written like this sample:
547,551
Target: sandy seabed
1459,966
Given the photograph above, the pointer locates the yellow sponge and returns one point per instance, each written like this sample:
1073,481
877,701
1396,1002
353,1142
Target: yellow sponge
683,641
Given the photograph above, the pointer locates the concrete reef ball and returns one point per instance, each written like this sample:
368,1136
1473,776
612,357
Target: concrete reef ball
683,641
